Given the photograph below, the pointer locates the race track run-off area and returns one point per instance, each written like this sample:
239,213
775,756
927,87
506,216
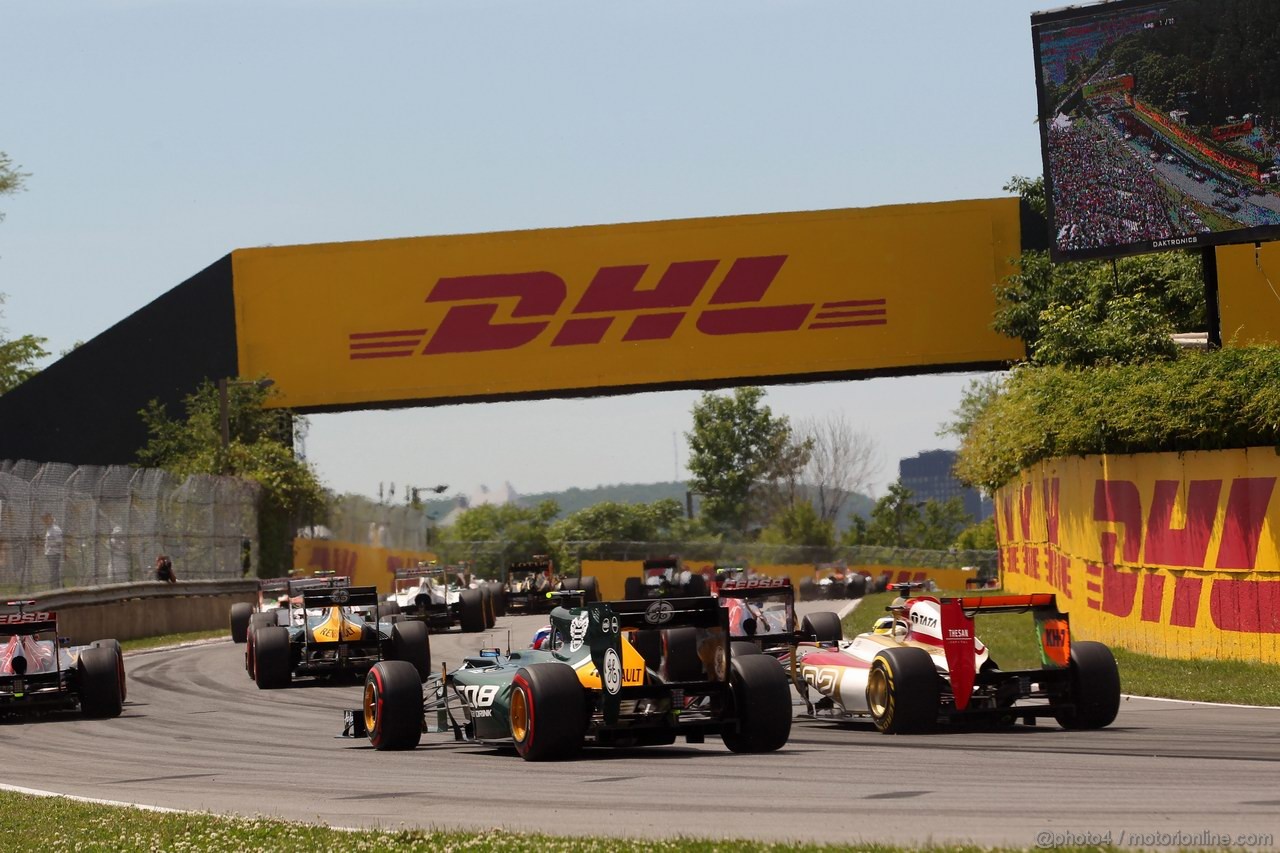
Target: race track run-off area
197,734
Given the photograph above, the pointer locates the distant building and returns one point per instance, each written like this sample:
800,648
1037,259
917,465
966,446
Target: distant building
928,476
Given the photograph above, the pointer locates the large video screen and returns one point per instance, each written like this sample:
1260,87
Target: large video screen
1159,124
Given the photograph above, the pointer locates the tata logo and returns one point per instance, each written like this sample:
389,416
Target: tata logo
541,312
659,612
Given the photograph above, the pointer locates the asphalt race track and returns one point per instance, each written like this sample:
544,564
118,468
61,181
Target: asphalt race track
197,734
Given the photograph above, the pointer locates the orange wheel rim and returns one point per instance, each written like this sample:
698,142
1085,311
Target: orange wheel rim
519,716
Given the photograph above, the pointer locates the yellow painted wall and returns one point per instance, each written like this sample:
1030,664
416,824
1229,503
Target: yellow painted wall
1175,555
364,564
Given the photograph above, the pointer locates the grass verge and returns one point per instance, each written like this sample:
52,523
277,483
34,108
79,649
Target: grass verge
172,639
71,825
1013,643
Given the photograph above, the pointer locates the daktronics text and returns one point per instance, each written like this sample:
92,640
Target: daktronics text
614,294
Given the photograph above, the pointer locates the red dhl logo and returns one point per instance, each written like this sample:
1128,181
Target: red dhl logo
1146,536
654,313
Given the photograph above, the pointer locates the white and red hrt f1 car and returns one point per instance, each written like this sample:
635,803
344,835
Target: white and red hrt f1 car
924,664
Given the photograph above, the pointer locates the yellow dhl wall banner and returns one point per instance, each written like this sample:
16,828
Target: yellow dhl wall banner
675,303
612,574
366,565
1166,554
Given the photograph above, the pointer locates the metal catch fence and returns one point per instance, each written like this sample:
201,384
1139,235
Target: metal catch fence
73,526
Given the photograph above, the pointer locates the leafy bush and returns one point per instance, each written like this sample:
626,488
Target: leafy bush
1200,401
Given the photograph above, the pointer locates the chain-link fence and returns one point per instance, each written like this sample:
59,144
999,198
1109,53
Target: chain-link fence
491,557
353,518
65,526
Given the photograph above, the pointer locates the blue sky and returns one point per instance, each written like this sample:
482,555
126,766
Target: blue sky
160,136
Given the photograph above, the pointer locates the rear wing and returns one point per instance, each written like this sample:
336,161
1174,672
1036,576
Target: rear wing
35,622
356,596
761,623
958,639
421,572
530,566
661,565
299,586
701,612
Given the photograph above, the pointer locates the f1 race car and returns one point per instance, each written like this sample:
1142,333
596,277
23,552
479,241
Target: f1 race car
923,664
274,595
662,578
834,580
623,673
529,581
334,630
39,672
439,597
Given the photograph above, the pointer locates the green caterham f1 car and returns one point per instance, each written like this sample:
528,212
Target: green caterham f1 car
622,673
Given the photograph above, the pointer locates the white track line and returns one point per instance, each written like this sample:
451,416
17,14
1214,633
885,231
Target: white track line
1200,702
36,792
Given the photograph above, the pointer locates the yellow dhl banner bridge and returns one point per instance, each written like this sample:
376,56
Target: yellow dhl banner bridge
681,303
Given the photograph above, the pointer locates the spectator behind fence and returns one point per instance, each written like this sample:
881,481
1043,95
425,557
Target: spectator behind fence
53,549
164,569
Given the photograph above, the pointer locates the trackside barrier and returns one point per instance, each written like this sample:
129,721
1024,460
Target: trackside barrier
1167,554
126,611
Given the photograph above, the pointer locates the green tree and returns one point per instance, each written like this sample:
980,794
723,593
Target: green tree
525,530
1086,313
800,524
260,449
11,180
18,356
974,400
940,523
978,537
898,520
893,523
738,454
610,521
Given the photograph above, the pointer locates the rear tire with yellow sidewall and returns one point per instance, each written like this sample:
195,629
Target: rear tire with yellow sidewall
903,691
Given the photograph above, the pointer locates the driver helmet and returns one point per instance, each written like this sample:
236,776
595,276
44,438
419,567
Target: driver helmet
541,637
883,625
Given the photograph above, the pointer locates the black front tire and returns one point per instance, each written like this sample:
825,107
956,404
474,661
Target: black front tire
903,691
272,667
411,643
762,703
633,589
393,705
590,589
824,626
240,613
696,586
857,586
742,648
99,683
471,616
548,712
1094,693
